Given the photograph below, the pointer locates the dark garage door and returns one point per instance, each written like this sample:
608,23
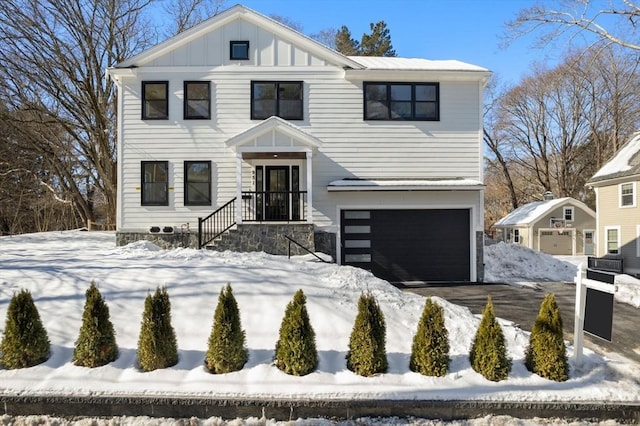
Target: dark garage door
408,245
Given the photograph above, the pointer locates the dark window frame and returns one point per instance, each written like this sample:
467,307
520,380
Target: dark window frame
277,100
243,43
143,182
414,116
145,113
186,114
187,182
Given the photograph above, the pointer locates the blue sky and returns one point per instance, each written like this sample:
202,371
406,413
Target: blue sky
466,30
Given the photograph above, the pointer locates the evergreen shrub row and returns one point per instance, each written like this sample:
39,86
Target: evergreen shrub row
25,342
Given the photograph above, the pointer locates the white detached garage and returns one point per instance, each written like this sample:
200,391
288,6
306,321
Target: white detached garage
562,226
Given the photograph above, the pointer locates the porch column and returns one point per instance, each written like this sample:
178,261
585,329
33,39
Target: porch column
238,187
309,186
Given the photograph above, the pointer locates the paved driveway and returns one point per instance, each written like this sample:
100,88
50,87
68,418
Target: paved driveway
521,305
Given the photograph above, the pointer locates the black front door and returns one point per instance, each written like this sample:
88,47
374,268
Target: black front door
277,193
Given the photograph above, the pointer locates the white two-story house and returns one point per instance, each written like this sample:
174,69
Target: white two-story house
240,132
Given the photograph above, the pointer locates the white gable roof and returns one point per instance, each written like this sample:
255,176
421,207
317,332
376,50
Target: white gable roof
530,213
229,15
625,163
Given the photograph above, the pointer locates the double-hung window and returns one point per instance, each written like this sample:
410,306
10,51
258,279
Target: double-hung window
280,98
567,214
627,195
155,100
155,183
197,100
197,183
612,235
401,101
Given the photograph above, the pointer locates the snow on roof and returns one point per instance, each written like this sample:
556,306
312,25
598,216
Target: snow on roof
350,184
417,64
530,212
625,163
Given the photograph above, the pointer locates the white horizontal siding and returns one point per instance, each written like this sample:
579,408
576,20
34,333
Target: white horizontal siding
333,111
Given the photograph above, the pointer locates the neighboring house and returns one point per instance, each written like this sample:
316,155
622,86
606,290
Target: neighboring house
616,186
376,161
559,226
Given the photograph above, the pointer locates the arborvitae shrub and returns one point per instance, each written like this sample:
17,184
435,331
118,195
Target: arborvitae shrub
25,342
227,350
296,352
96,344
367,353
488,353
157,347
430,351
546,354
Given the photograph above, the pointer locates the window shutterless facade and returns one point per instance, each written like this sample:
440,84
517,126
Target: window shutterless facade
279,98
239,50
401,101
197,100
155,100
197,183
155,183
612,235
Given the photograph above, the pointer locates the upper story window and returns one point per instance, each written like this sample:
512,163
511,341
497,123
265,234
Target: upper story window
197,100
402,101
628,194
155,100
279,98
567,214
238,50
197,183
155,183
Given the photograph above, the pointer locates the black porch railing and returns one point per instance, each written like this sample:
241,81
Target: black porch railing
274,206
256,206
605,264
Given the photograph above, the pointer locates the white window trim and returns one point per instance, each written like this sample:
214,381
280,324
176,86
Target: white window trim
516,236
638,240
634,195
573,213
606,238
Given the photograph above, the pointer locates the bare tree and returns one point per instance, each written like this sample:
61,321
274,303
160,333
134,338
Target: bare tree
558,125
612,22
188,13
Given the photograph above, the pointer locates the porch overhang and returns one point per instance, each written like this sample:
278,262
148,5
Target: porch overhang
274,138
352,184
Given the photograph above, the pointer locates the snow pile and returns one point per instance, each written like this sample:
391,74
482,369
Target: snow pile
515,264
58,267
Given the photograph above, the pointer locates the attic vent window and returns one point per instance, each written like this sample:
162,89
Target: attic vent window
239,50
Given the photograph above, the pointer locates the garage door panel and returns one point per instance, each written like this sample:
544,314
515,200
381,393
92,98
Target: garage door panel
412,245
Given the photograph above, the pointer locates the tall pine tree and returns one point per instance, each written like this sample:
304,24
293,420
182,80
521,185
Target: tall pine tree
96,344
25,342
546,354
377,43
296,352
345,44
227,350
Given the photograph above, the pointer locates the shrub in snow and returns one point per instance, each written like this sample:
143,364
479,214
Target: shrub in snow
227,350
157,347
488,353
367,353
546,354
25,342
296,352
430,350
96,344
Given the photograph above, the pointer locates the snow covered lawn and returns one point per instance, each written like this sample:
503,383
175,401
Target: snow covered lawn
57,268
